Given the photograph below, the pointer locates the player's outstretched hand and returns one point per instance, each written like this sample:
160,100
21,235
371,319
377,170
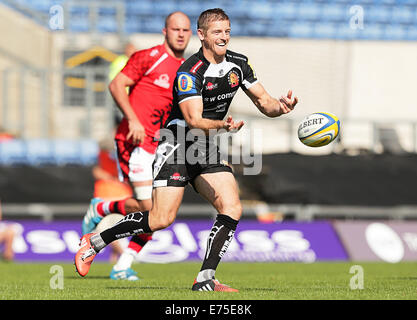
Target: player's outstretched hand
136,132
231,126
288,103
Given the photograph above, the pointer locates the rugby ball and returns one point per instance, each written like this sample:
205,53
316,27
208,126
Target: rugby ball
318,129
108,222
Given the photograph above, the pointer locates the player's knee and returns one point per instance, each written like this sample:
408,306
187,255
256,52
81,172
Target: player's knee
234,211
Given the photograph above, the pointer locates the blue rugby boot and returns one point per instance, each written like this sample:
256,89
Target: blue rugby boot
127,274
91,218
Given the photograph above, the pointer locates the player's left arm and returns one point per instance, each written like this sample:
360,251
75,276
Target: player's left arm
268,105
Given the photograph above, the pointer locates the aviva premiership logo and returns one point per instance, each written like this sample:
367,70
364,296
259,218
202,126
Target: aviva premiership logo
186,84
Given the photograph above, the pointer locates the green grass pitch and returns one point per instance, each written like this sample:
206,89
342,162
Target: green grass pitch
256,281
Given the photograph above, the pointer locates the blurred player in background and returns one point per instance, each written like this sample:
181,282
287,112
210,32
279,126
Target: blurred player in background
108,187
7,234
149,74
204,89
115,67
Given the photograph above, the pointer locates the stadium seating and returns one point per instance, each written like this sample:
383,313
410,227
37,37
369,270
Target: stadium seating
13,152
324,19
38,152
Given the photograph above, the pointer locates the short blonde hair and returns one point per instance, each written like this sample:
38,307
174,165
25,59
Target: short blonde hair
210,15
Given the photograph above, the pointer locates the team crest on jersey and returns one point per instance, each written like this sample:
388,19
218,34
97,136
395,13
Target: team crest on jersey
233,79
186,83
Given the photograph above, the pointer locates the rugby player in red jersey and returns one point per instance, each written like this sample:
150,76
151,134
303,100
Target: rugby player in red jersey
149,74
204,88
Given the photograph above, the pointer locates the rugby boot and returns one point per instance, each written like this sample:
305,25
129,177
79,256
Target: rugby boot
127,274
91,218
85,255
212,285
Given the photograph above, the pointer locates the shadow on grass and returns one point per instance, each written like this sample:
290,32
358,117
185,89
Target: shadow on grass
89,278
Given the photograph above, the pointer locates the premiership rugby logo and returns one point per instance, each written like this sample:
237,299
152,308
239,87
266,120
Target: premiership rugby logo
233,78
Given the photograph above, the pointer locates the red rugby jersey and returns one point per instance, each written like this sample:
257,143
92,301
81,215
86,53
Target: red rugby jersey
153,71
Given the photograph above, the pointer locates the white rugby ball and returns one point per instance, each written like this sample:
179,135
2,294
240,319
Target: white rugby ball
318,129
108,222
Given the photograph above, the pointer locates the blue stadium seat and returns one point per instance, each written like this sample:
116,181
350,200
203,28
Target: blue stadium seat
79,25
40,5
191,8
132,24
345,32
144,7
378,14
372,32
238,27
237,9
407,2
301,30
395,32
88,152
309,11
153,25
66,151
387,1
334,12
278,29
403,14
256,28
107,24
324,30
107,11
260,11
13,152
39,151
286,10
164,8
412,33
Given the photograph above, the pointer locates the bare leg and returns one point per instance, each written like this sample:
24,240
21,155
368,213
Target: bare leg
221,190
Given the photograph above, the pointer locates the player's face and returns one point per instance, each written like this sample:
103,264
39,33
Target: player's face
217,37
178,33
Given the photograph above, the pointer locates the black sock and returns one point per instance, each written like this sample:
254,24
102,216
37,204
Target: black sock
221,235
133,223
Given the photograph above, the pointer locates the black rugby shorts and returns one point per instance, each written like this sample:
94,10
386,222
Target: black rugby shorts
178,162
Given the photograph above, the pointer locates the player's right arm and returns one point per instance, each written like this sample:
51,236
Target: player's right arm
188,88
192,110
118,91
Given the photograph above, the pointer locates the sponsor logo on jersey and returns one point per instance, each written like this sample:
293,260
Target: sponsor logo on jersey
210,86
186,83
162,81
177,177
233,78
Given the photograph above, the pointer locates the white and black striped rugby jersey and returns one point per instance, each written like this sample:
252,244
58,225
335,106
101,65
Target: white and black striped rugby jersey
215,84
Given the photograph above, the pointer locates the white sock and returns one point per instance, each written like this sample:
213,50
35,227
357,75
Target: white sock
205,275
125,260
